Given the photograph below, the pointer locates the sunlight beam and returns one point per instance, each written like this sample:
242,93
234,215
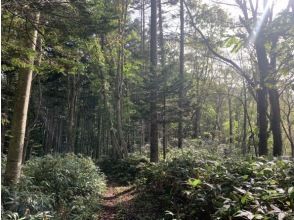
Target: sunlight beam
255,31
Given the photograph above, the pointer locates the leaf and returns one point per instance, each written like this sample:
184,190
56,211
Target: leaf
258,216
275,208
231,41
291,192
281,215
240,190
194,182
245,214
267,171
245,177
169,213
246,198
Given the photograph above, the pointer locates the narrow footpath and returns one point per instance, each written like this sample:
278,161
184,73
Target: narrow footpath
117,202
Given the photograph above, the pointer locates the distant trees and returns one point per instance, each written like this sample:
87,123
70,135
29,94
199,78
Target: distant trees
266,75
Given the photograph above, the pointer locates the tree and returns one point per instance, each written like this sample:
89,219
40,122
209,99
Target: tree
181,76
19,122
163,73
153,84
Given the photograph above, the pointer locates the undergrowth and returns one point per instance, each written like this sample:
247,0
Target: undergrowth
123,171
192,184
57,187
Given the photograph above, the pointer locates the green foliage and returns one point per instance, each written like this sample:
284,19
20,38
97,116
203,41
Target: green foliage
201,186
123,171
60,186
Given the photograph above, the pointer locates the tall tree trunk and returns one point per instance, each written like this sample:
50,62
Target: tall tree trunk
15,150
30,127
275,120
181,76
244,136
261,95
163,73
274,99
121,143
72,105
230,120
197,113
153,84
262,122
142,136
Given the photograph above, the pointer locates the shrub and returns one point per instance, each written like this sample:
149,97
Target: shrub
123,171
203,187
61,186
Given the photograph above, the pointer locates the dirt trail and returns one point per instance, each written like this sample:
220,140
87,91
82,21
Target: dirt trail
115,200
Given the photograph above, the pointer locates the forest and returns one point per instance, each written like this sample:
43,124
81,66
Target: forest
147,109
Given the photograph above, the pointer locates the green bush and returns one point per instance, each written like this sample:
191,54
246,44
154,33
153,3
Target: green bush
123,171
203,187
59,186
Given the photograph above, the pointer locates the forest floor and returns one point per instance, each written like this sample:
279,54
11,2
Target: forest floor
117,201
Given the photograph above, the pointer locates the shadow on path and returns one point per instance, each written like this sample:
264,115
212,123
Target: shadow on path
116,199
128,190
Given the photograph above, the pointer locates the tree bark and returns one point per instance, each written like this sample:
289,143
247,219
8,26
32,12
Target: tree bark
15,150
153,84
230,120
121,143
72,105
274,99
275,120
244,136
163,73
262,123
181,76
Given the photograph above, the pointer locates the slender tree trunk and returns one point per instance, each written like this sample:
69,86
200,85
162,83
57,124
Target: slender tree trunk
163,73
30,127
181,76
197,113
244,150
153,84
142,136
72,105
15,150
144,58
230,120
